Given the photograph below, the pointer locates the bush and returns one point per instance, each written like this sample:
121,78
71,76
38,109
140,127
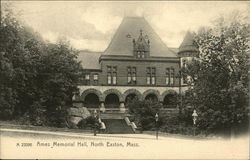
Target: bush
37,114
144,112
87,123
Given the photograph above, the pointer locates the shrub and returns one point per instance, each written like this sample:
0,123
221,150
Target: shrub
144,112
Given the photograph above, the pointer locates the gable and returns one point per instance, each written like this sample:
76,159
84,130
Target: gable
129,29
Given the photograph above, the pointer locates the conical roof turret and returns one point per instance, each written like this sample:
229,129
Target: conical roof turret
188,44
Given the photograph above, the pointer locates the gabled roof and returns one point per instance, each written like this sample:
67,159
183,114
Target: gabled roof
89,59
188,44
175,50
129,29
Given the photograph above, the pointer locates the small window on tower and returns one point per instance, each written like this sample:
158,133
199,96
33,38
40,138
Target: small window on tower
184,63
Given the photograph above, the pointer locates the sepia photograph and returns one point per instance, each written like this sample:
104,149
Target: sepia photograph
124,80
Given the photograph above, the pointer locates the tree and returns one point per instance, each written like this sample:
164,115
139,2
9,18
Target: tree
58,77
220,75
144,113
37,79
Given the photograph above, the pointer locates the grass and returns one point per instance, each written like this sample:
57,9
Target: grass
16,125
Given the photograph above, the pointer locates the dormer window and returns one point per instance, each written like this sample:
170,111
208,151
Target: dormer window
139,54
142,55
141,46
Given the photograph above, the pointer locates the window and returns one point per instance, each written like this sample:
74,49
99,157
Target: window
95,79
148,79
185,79
134,77
87,79
109,78
184,63
112,75
114,78
140,54
131,75
167,76
170,76
114,69
151,75
129,78
109,68
153,80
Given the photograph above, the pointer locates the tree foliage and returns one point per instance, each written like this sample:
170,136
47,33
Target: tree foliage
144,113
220,75
37,79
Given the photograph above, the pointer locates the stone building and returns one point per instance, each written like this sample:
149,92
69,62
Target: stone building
136,63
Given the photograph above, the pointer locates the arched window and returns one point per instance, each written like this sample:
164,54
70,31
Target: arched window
129,98
151,97
170,101
91,101
112,101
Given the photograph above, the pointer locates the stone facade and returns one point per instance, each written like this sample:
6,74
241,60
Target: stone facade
136,63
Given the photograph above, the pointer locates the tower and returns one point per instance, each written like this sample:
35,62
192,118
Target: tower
188,50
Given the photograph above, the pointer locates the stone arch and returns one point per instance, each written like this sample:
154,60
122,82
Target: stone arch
91,100
132,91
151,91
92,90
114,91
169,99
166,93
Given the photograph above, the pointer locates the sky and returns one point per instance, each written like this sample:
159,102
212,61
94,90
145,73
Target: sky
90,25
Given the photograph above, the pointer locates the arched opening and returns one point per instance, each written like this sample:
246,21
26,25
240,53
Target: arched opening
130,98
151,97
112,101
170,101
91,101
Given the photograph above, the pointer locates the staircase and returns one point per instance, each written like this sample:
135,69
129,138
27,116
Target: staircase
117,126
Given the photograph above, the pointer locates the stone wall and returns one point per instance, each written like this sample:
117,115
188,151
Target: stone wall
141,67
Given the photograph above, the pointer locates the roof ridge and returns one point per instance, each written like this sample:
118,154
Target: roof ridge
158,36
128,28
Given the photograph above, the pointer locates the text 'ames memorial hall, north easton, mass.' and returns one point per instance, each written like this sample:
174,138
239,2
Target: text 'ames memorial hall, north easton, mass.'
136,63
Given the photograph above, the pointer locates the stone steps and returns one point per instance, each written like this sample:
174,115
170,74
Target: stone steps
113,115
117,126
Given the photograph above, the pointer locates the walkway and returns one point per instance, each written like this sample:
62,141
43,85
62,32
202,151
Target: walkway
65,145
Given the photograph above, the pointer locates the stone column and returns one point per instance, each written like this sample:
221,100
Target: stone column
122,107
102,107
161,104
